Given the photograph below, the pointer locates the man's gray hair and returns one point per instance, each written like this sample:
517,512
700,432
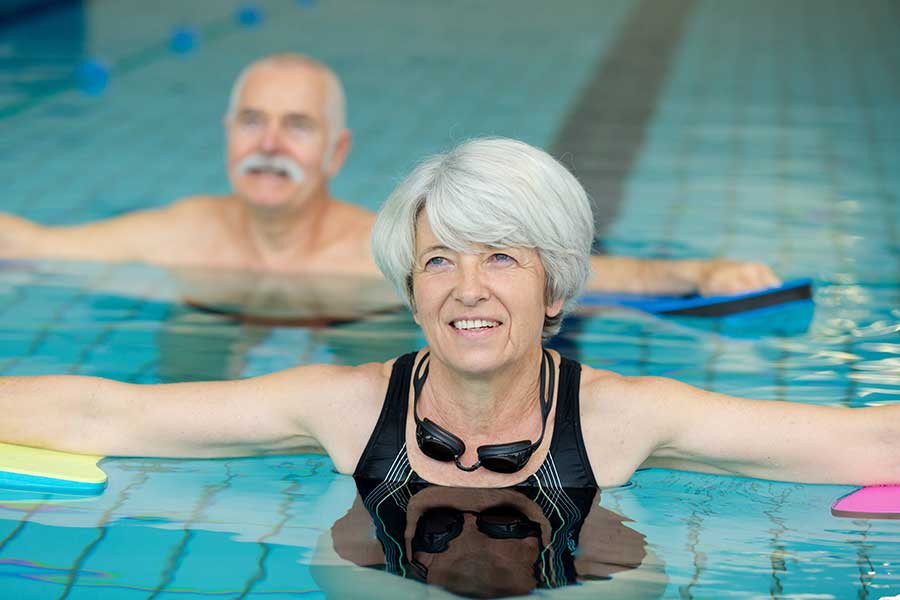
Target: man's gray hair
335,99
496,192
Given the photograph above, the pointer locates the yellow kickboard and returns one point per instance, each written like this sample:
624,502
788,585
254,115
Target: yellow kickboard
24,467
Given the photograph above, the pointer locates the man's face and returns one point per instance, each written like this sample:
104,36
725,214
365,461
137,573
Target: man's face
281,151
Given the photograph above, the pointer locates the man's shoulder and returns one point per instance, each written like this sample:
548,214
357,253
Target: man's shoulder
352,215
198,206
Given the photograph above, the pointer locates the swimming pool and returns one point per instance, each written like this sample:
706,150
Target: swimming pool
772,136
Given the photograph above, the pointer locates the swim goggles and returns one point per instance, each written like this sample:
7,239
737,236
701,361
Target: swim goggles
437,527
439,444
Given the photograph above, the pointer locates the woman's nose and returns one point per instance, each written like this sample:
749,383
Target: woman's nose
470,287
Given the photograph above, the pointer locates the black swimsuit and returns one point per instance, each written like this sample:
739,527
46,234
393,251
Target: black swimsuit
566,465
564,486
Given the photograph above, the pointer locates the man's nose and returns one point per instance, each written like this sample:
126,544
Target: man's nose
270,142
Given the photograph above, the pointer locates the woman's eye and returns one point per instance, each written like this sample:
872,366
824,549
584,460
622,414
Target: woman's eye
500,257
435,261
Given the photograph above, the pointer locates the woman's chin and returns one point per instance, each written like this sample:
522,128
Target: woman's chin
477,361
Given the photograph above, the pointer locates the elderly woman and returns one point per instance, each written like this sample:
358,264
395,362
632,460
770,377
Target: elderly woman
489,244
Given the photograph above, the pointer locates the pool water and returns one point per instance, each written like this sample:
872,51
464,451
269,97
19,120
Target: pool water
773,135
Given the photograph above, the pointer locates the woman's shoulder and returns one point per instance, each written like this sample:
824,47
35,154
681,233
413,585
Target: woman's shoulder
601,386
338,383
366,376
595,380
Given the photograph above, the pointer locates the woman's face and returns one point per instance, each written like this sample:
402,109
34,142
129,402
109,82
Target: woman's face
482,310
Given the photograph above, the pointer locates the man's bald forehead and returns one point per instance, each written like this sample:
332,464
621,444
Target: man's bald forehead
335,103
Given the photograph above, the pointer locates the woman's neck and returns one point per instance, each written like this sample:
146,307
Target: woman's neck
482,408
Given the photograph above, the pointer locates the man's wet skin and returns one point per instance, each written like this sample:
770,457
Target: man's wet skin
284,299
280,246
286,139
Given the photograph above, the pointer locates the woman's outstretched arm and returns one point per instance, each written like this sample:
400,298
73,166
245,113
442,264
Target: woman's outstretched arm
288,411
656,421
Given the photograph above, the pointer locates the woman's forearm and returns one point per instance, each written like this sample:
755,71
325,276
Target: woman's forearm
70,413
91,415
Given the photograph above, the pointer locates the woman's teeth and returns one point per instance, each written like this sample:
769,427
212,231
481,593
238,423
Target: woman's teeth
474,324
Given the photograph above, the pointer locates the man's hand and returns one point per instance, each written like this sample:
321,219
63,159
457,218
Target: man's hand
723,276
621,274
18,236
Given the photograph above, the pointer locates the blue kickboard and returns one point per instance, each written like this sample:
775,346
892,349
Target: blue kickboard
695,305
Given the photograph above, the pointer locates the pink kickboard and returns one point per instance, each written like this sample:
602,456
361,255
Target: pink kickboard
873,502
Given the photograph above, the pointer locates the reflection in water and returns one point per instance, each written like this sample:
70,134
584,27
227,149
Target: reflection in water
223,317
487,543
200,346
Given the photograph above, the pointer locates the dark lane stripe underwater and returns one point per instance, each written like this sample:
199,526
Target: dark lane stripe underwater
603,135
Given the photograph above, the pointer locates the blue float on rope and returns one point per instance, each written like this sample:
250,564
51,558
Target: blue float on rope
249,15
183,39
92,76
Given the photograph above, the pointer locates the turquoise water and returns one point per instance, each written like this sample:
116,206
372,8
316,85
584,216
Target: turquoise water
775,137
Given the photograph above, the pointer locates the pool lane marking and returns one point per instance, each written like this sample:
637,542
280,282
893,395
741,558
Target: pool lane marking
102,529
285,513
179,551
47,329
592,141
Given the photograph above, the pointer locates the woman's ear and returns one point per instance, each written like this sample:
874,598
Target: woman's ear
555,308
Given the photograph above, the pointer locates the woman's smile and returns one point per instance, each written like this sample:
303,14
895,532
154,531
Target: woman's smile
473,326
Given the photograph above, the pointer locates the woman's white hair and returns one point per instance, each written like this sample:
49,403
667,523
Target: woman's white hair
500,193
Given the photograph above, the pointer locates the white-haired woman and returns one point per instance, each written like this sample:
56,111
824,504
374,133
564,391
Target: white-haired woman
489,243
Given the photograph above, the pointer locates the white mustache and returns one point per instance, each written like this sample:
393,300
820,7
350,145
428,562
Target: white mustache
257,162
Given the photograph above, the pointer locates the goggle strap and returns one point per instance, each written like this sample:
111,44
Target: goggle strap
547,389
546,395
421,374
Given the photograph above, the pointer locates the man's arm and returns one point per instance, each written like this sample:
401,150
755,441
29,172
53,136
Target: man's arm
684,427
650,276
281,412
120,239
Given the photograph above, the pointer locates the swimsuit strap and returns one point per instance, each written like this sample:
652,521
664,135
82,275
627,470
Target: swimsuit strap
567,462
566,465
389,435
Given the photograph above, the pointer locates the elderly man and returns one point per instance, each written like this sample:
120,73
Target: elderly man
287,138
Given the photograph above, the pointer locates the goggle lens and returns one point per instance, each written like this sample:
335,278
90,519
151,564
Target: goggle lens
438,443
505,458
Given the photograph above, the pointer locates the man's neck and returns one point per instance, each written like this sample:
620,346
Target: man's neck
278,238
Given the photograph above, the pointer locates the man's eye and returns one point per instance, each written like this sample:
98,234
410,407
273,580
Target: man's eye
249,119
298,124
